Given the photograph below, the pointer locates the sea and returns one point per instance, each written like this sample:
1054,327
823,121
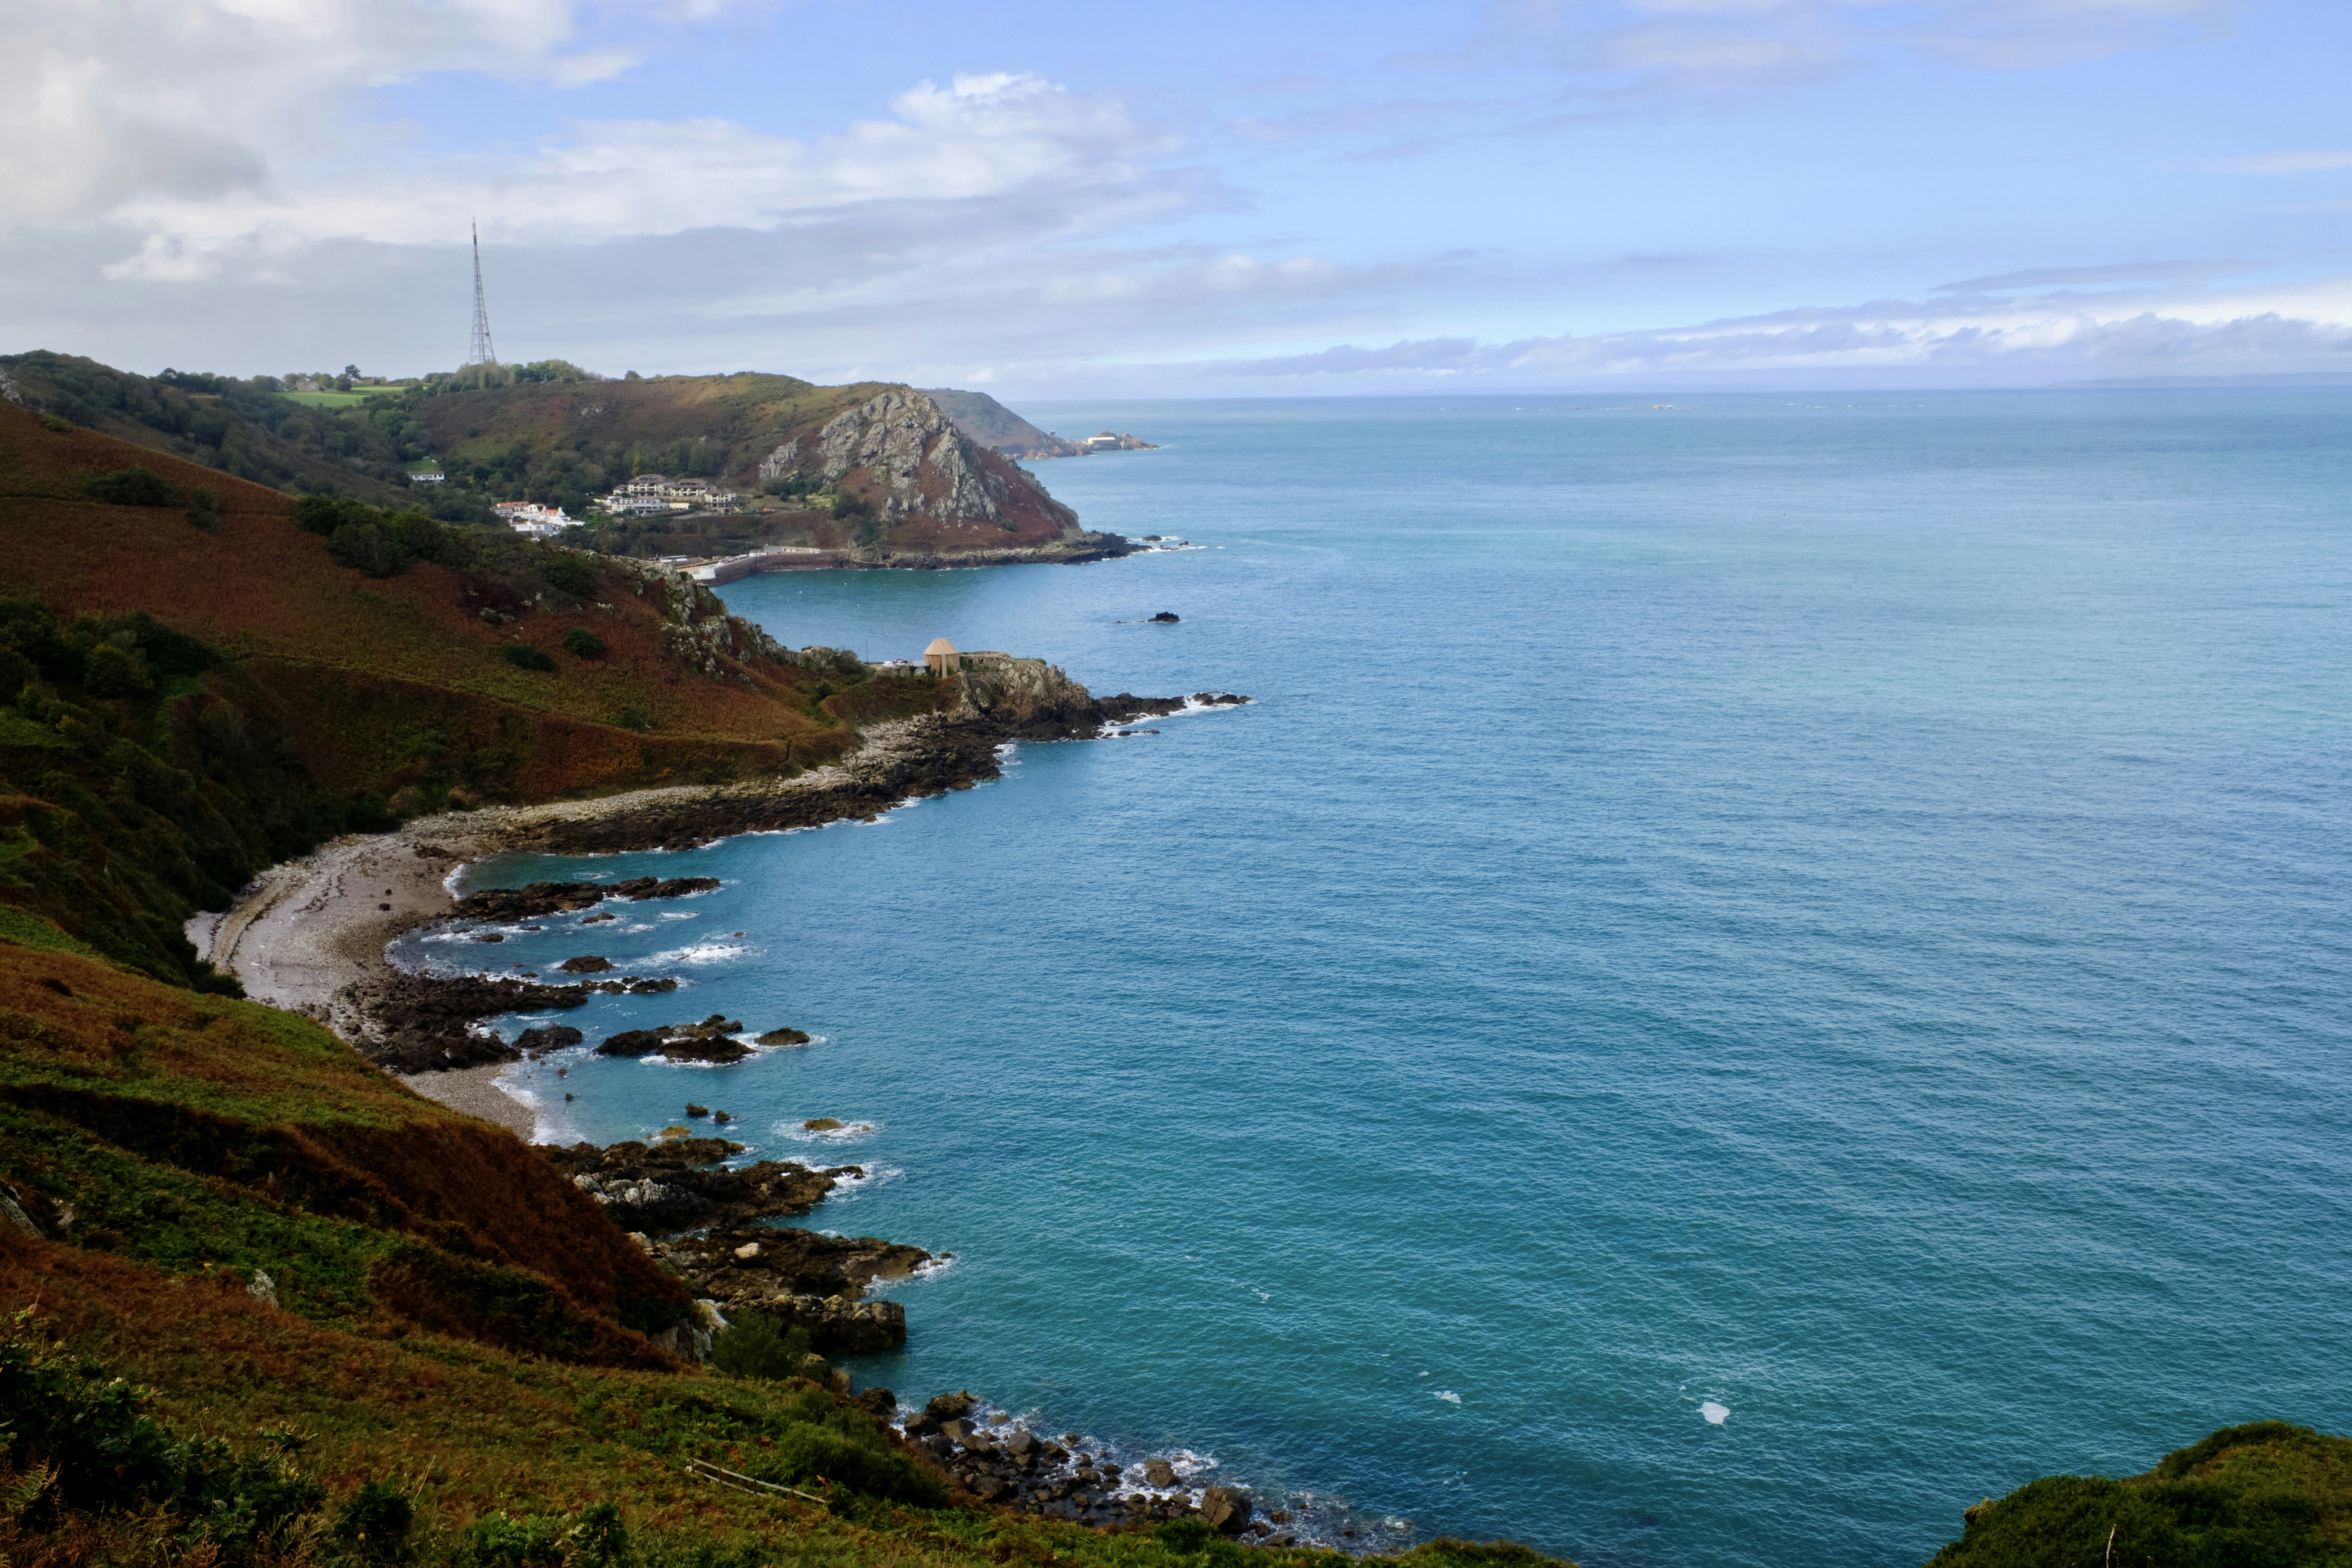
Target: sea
1758,969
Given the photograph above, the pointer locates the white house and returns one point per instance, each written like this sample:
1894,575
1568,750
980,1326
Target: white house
531,518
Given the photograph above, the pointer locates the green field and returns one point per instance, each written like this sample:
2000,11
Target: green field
342,399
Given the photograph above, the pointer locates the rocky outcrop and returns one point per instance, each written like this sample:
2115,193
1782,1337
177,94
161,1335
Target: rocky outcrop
712,1040
681,1183
543,899
914,454
416,1022
1004,1462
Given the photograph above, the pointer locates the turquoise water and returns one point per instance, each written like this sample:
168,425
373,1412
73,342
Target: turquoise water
1832,910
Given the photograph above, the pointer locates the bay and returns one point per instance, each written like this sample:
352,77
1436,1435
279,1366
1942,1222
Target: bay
1827,912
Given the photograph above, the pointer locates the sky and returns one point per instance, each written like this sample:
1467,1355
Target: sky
1046,199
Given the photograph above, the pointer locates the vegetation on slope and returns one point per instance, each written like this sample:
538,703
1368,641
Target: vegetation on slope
2266,1495
555,433
190,692
245,427
446,1322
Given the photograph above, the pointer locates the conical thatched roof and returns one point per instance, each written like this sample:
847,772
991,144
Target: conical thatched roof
939,645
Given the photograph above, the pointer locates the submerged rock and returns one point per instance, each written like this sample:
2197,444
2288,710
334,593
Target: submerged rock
587,963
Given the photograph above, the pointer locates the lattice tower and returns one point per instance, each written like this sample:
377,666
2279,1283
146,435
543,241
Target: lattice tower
480,351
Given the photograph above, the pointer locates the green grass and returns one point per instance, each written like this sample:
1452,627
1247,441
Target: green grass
339,399
27,928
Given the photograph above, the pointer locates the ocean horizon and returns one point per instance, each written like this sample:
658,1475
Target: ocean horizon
1755,972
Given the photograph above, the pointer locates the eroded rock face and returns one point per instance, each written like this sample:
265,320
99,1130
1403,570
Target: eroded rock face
916,452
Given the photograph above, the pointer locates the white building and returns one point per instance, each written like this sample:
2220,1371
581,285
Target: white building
427,473
532,518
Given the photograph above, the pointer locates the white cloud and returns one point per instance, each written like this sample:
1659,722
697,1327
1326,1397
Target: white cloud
2303,163
1619,56
2012,339
979,136
2090,277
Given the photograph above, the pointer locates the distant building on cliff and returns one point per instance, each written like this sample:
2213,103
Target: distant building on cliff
941,657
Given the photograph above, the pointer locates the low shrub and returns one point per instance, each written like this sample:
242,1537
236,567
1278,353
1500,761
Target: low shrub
568,574
754,1345
132,486
375,1523
586,644
523,656
113,670
204,509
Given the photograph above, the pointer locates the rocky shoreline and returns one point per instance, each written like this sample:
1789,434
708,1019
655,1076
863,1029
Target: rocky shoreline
313,935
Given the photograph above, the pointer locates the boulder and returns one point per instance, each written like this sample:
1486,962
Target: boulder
948,1407
1159,1474
491,936
878,1402
695,1112
599,917
1224,1509
1167,617
821,1124
586,964
783,1037
546,1037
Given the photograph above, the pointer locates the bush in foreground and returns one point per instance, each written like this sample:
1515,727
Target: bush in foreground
2267,1495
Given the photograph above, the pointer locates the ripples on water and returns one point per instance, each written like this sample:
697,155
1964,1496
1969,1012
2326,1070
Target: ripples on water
1756,975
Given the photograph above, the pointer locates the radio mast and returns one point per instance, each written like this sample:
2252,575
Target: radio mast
480,351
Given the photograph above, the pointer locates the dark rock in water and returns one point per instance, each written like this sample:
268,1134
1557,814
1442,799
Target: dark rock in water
636,987
712,1040
784,1037
680,1185
546,1037
587,963
1159,1474
592,920
878,1402
1167,617
1218,699
427,1021
694,1112
554,898
1224,1509
491,936
721,1117
948,1407
821,1124
1021,1444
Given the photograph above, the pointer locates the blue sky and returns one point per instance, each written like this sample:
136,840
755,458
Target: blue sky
1208,199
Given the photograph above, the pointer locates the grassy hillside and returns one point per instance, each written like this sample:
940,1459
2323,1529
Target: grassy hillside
194,694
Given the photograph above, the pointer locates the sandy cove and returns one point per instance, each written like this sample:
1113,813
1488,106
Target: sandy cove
308,934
